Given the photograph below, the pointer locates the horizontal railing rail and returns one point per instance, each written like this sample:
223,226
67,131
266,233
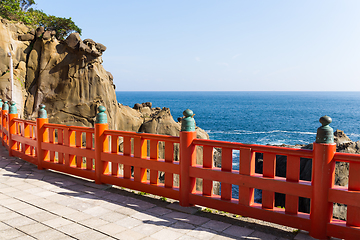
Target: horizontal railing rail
138,160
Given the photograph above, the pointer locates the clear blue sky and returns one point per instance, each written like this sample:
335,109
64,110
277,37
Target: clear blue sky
223,45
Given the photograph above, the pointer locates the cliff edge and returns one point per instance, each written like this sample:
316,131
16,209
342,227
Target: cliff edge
68,77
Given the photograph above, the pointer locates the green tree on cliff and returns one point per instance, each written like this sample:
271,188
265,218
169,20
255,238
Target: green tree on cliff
20,10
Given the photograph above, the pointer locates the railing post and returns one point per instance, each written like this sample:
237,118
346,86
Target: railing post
4,113
101,143
187,157
323,173
42,135
12,127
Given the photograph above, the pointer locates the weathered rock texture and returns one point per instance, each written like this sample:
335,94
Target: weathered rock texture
68,77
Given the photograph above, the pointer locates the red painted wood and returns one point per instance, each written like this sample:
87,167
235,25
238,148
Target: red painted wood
323,175
292,175
340,194
353,212
114,149
226,166
269,164
159,189
42,137
146,163
169,158
208,164
127,152
78,142
278,184
154,155
101,146
255,148
338,228
69,140
60,143
52,140
89,146
187,159
276,215
247,168
140,151
89,174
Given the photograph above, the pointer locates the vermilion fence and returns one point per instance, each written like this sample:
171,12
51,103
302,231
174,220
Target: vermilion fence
131,160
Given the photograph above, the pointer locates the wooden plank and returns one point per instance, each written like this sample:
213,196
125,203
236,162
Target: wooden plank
154,155
269,164
208,160
140,151
226,166
353,212
127,152
292,175
169,158
278,184
159,165
247,168
114,149
89,146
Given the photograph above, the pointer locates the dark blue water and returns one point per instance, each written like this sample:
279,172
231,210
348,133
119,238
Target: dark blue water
259,117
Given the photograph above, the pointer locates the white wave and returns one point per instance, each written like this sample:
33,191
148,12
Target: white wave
273,131
240,132
353,135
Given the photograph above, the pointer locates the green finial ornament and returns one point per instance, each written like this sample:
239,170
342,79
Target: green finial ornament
13,109
325,133
6,106
101,117
188,122
42,112
1,103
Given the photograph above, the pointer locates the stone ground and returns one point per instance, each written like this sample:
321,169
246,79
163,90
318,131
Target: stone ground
42,204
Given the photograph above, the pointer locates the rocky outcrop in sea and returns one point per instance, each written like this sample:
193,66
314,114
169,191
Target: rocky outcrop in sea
343,144
69,78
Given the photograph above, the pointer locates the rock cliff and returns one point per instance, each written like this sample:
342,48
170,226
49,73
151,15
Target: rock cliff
68,77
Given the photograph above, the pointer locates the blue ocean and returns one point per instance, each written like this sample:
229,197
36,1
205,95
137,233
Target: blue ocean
259,117
273,118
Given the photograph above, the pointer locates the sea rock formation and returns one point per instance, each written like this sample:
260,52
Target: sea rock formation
343,144
68,77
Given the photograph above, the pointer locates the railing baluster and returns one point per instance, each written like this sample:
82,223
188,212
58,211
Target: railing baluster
169,157
69,140
127,152
89,145
226,166
208,164
353,213
269,163
140,151
115,150
26,133
247,167
154,155
52,140
78,139
292,175
61,142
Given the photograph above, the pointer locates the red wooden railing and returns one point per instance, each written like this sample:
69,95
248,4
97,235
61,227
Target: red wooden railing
94,153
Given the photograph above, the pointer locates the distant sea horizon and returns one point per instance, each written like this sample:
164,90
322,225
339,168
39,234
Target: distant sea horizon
258,117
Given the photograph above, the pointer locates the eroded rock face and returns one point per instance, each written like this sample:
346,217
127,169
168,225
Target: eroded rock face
68,77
